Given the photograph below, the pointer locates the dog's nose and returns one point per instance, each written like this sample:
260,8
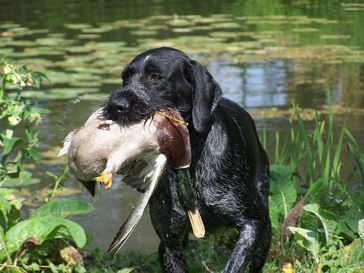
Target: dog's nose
122,105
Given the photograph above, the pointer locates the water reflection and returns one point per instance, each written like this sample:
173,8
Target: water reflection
263,54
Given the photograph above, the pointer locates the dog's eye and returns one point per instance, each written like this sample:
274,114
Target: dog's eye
155,77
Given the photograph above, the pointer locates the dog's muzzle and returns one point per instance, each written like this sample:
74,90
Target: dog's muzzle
126,107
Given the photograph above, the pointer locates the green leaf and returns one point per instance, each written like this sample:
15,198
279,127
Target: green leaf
309,242
283,192
351,218
63,207
23,179
350,258
10,144
317,188
33,154
327,219
274,213
42,229
37,78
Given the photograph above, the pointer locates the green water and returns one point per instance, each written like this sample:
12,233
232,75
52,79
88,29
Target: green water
265,55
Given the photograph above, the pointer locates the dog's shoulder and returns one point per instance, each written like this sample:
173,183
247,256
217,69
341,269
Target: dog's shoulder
228,112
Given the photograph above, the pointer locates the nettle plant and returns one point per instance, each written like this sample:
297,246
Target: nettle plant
18,117
46,240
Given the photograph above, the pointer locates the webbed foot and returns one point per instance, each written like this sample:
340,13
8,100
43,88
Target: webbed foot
105,178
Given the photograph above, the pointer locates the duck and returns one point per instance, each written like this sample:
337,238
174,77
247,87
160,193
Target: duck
140,153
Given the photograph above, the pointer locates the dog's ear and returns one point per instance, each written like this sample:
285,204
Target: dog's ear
205,96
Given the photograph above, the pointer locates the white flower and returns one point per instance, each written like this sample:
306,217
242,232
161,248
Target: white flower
14,120
7,69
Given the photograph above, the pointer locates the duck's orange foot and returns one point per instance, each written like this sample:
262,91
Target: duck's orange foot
105,178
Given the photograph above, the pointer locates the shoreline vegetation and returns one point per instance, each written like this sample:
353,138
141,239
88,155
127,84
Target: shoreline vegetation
317,221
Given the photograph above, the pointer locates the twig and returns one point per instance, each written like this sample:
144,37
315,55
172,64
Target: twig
206,267
14,266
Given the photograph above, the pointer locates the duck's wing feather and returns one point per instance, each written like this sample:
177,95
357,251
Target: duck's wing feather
130,223
67,143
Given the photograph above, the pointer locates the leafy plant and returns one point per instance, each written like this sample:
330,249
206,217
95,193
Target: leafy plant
18,115
46,223
309,197
283,194
46,240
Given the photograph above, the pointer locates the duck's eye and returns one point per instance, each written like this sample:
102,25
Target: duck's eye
155,77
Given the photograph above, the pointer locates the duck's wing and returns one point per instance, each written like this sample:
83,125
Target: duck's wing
138,172
67,143
130,223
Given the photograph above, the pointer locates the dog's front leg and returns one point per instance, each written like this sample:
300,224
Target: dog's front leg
172,259
252,245
170,222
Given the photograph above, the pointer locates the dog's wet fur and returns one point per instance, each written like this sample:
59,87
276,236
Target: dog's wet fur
230,169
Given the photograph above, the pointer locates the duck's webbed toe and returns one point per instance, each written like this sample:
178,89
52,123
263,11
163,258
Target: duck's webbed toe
105,178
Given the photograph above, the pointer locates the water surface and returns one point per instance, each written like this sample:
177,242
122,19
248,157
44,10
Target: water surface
265,55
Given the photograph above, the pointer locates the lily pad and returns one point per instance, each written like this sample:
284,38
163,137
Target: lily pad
305,30
144,32
6,51
22,43
335,37
179,23
88,36
77,26
53,41
86,84
181,30
202,27
56,35
9,25
78,49
155,27
223,34
101,29
227,25
206,20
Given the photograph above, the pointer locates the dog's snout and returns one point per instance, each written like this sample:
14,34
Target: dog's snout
122,105
126,107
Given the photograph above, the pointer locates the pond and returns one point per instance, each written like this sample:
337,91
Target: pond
266,54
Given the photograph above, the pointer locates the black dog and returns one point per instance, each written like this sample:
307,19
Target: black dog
229,167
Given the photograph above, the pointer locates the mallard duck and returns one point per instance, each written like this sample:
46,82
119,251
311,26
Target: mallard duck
140,153
97,150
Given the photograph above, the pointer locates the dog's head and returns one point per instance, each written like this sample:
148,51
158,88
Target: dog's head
165,78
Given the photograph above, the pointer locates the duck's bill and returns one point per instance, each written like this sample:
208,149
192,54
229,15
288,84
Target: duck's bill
198,227
130,223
